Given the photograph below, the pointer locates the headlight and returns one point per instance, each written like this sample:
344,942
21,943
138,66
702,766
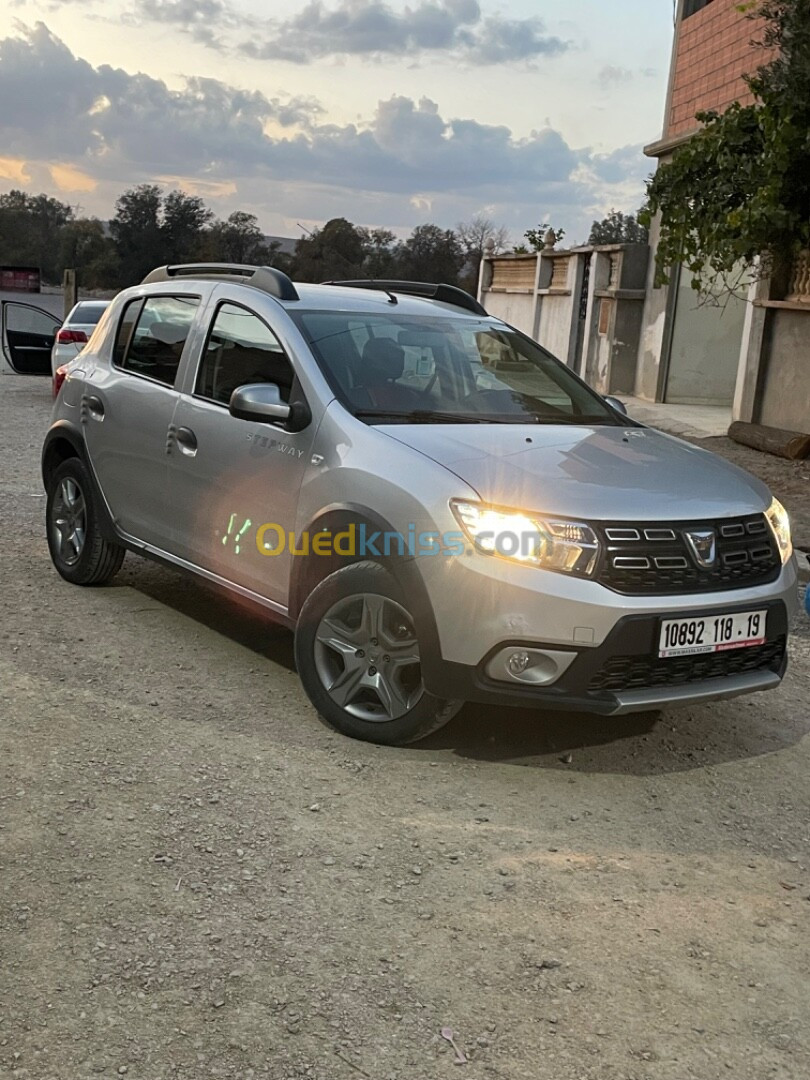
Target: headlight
567,547
779,521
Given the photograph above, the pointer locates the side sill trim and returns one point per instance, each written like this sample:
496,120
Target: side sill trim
139,547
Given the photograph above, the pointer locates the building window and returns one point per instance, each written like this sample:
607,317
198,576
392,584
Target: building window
692,7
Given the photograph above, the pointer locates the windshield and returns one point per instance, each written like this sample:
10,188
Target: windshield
412,369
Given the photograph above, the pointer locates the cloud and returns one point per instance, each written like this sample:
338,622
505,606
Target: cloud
203,20
275,153
611,76
13,169
69,178
366,29
619,165
64,107
373,29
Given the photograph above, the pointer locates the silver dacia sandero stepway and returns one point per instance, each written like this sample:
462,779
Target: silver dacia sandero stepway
440,510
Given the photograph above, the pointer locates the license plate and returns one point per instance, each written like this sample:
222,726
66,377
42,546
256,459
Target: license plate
712,633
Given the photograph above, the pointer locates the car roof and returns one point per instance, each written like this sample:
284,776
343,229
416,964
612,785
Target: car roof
344,298
366,295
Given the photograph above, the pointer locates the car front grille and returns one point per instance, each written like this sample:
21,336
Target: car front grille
654,559
643,672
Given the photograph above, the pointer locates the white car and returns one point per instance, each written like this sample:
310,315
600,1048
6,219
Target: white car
76,330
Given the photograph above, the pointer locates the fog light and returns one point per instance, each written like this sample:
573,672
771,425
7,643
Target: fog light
532,667
518,663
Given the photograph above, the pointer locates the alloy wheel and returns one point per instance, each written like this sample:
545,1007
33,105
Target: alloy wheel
69,521
367,657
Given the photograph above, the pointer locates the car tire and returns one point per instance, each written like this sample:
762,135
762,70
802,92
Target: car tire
357,653
78,549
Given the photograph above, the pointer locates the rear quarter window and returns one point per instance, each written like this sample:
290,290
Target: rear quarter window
152,334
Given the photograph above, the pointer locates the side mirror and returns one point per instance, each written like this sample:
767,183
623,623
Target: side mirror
260,402
619,406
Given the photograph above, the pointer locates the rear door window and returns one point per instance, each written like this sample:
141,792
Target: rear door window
152,334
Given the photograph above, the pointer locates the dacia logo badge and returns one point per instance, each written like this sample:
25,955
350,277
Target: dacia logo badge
703,546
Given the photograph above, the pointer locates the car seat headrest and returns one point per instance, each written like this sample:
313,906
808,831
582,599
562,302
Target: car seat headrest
168,333
383,360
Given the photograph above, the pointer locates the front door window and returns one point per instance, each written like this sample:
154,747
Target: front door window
241,349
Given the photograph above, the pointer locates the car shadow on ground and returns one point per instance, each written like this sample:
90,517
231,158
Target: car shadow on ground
644,744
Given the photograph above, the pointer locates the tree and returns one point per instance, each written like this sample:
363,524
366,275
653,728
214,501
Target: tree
30,227
332,253
619,228
476,234
431,254
137,234
740,188
184,217
85,247
240,240
379,253
537,238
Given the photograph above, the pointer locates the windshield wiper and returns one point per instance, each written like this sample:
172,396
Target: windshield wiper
431,416
425,416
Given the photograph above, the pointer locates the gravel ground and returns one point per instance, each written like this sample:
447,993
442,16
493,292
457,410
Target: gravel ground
198,880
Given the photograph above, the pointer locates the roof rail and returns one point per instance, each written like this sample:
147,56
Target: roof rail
266,278
445,294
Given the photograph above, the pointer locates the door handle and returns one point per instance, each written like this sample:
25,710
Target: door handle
95,407
187,441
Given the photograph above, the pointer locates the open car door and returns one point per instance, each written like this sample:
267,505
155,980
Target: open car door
28,334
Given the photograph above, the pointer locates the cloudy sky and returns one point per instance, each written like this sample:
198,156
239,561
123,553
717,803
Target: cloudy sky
387,112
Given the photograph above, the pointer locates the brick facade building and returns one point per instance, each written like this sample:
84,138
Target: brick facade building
715,46
713,51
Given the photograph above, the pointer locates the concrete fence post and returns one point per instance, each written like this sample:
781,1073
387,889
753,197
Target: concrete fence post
70,286
752,348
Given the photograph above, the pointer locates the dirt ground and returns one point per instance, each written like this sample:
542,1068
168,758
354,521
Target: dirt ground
198,880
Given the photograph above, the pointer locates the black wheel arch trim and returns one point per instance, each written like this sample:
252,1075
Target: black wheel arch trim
404,568
67,432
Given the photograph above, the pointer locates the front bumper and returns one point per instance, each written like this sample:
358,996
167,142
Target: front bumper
624,674
614,640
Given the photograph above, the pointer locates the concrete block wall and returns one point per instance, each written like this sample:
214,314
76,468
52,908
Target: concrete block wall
596,333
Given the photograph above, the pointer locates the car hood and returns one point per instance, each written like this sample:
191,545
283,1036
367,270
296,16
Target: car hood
601,473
